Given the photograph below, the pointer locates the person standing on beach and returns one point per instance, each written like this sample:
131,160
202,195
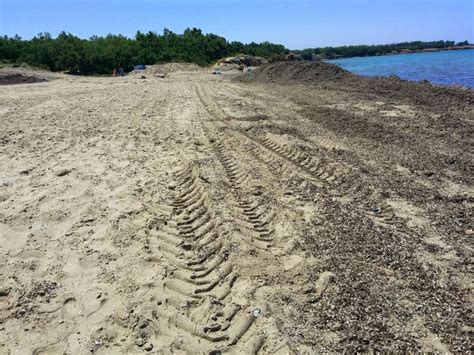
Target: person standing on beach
114,72
120,72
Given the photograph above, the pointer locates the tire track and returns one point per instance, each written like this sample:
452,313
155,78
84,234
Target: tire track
304,173
329,172
254,215
202,302
288,159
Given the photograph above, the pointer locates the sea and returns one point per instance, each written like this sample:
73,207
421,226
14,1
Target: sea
443,67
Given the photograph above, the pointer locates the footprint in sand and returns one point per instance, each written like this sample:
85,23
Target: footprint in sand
71,308
57,347
96,310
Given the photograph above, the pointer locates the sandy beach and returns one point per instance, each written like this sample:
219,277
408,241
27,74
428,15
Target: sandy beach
272,214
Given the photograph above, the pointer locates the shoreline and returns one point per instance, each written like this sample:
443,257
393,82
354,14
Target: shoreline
379,68
408,51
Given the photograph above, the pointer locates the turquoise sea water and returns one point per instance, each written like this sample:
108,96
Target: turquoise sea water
445,67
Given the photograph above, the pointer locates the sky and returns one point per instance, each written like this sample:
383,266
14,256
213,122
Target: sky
296,24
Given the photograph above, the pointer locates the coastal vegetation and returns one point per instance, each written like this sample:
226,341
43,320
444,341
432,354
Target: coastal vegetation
99,55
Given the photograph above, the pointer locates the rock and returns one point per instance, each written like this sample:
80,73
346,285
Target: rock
143,324
149,347
244,60
88,219
63,172
323,283
139,342
25,171
291,57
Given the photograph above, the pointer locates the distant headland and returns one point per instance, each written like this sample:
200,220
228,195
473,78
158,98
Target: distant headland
380,49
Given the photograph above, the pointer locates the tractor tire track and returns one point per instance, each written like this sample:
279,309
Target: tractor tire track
201,303
254,215
288,159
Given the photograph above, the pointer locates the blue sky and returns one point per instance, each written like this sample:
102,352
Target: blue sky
294,23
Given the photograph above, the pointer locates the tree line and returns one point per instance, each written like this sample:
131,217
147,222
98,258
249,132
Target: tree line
372,50
99,55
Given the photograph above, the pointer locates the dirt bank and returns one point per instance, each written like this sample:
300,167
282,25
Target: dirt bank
195,214
167,68
12,79
331,76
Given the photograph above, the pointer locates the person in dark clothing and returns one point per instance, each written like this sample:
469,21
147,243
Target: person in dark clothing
120,71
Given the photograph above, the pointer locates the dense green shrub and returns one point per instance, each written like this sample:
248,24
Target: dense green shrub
98,55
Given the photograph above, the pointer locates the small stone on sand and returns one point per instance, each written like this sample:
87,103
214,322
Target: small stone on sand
63,172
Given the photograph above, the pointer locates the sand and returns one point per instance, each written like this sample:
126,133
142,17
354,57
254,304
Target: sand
195,214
